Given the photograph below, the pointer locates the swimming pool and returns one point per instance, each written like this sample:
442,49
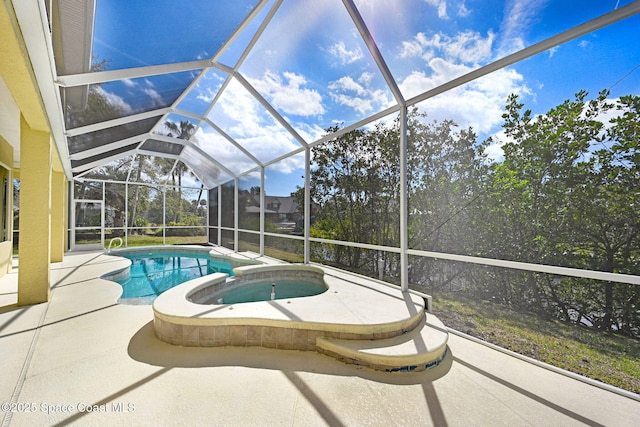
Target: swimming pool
153,273
263,292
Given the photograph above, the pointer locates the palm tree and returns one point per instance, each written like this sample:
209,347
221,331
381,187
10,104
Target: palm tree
136,197
185,131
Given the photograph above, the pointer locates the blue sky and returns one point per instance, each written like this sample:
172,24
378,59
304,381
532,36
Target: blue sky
313,67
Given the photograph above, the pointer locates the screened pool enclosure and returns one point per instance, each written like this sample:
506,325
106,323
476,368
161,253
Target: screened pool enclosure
490,147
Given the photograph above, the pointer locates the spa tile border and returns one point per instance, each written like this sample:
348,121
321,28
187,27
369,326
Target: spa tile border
286,335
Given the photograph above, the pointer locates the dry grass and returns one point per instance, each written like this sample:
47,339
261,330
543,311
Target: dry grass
605,357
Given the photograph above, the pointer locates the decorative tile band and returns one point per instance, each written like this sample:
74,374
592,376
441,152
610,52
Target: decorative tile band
183,316
289,336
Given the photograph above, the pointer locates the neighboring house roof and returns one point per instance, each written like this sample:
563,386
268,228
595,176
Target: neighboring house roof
256,210
286,204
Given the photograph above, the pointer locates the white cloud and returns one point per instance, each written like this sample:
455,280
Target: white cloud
361,105
357,94
441,5
225,153
412,48
114,100
584,44
288,94
502,83
129,82
520,15
151,92
208,86
239,114
309,131
347,84
463,11
289,165
156,98
494,151
478,104
203,55
207,95
440,72
468,47
366,78
340,51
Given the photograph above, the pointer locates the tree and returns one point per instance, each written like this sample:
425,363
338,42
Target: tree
98,106
177,169
607,204
355,183
447,172
139,190
566,194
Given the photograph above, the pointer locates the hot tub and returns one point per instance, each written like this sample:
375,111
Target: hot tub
194,314
262,283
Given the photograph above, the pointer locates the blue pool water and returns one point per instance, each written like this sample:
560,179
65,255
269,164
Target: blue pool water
262,292
153,273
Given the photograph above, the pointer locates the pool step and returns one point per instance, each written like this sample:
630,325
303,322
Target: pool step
416,350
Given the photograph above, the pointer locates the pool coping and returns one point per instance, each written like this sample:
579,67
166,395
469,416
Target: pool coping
293,323
236,260
350,309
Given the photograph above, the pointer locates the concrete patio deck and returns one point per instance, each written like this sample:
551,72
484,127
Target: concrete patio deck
84,359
